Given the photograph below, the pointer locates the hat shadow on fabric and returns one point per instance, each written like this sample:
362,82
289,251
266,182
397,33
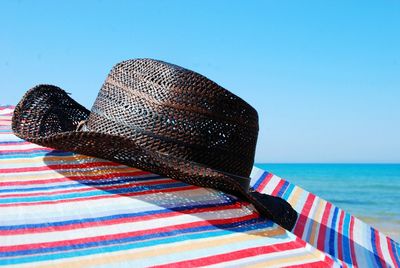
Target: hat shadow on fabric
214,209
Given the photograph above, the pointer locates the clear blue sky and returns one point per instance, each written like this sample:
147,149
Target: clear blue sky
323,75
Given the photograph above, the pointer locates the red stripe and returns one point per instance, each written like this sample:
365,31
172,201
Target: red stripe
322,227
352,246
301,222
317,264
329,261
90,188
166,214
265,182
239,254
25,150
379,249
59,167
99,239
340,236
278,188
77,177
105,196
391,253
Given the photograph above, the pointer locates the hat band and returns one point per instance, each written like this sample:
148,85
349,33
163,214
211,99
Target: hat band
244,182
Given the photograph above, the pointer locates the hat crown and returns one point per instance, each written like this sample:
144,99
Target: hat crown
160,118
178,112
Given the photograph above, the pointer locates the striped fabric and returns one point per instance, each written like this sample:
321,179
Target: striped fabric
64,209
330,229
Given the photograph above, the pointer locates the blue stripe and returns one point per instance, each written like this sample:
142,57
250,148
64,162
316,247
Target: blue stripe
118,216
282,190
82,182
12,142
117,244
396,252
47,152
43,151
375,250
25,151
346,240
332,236
288,191
135,189
260,180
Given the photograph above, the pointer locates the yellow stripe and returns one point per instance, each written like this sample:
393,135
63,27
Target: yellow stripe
39,159
107,258
55,174
315,222
294,197
292,260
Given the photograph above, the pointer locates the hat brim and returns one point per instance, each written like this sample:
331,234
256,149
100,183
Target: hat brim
48,116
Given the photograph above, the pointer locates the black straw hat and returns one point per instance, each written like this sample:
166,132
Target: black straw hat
161,118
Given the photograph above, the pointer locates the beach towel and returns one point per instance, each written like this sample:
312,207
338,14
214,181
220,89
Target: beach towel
64,209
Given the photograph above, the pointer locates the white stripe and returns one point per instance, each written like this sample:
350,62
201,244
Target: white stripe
9,137
20,147
270,187
19,188
385,249
97,208
6,111
308,250
94,230
360,237
215,249
255,175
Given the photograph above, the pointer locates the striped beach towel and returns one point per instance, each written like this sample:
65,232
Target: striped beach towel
61,209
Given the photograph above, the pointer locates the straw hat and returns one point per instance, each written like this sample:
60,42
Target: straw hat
161,118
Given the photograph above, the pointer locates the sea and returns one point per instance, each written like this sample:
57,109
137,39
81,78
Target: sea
370,192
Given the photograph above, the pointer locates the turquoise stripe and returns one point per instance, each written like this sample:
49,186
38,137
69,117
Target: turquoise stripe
23,155
288,191
346,239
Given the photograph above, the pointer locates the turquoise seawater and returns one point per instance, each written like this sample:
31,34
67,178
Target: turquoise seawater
370,192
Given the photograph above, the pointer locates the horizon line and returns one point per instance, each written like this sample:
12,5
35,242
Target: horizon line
330,163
